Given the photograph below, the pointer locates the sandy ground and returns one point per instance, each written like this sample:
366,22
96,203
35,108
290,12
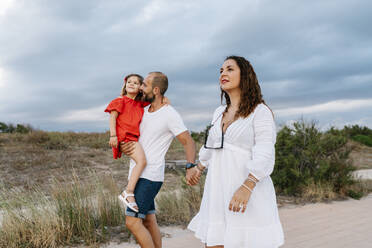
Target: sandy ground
363,174
329,225
340,224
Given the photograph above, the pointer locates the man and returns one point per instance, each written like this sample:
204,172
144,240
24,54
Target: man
160,124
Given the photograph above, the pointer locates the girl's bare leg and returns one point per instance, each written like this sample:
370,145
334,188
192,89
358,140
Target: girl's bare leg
139,157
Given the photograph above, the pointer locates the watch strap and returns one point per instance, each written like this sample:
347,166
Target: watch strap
190,165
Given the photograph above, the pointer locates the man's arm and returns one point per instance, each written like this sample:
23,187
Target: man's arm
189,146
192,174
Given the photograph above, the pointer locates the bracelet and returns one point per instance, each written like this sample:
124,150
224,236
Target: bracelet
201,169
113,136
245,186
252,180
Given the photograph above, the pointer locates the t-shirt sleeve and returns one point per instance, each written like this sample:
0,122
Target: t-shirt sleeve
115,105
175,122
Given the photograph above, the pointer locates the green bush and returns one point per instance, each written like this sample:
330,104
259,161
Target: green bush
3,127
308,159
356,130
357,133
198,136
363,139
10,128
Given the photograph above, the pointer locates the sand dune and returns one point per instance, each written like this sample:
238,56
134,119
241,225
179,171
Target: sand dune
323,225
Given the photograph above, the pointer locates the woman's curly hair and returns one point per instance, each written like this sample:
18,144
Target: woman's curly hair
250,95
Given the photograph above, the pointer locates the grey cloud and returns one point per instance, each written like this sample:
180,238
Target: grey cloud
68,55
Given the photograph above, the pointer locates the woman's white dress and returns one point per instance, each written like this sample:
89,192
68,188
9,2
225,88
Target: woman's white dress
248,148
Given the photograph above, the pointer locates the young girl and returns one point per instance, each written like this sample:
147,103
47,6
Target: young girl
126,114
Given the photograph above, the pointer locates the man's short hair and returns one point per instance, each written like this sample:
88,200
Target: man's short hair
159,80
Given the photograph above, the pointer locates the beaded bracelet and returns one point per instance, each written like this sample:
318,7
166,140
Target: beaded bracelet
245,186
252,180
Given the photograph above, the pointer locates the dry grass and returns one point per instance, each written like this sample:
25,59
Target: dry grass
361,155
49,199
78,212
319,192
30,220
176,150
179,206
81,212
25,161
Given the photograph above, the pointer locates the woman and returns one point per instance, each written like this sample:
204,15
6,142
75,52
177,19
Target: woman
239,208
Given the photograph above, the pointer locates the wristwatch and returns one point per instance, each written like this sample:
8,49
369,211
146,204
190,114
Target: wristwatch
190,165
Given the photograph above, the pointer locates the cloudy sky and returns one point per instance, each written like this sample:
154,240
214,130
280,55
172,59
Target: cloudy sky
61,62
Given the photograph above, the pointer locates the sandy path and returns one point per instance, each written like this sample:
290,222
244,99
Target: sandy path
363,174
340,224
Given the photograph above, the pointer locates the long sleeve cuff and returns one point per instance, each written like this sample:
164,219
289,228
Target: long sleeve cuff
204,156
263,160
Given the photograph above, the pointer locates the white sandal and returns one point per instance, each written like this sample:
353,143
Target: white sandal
123,199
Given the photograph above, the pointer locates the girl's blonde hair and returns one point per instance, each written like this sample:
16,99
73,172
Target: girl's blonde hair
124,92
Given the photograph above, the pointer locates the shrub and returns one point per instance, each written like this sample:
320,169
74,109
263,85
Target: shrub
363,139
56,141
3,127
198,136
37,137
10,128
307,158
23,128
356,130
357,133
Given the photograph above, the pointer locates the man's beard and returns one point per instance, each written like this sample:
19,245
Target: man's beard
148,98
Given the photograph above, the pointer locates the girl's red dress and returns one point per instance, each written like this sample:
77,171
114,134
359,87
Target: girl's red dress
128,120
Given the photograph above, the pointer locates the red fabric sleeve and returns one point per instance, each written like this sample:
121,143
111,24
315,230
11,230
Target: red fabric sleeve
145,104
116,104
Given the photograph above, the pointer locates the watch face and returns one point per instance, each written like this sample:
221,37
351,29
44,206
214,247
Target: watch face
189,165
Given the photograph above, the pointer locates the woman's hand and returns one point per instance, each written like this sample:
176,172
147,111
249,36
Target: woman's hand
240,199
113,142
193,176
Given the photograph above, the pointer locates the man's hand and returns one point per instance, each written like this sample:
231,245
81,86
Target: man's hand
127,147
192,176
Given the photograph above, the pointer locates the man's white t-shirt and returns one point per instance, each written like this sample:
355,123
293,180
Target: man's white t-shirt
157,130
